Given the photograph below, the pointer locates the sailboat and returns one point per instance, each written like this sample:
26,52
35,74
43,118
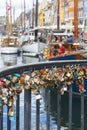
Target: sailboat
9,42
34,46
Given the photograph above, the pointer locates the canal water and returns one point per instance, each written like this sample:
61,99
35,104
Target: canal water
53,109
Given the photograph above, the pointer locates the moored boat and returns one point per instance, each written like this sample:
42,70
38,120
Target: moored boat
33,44
9,45
79,54
35,47
62,46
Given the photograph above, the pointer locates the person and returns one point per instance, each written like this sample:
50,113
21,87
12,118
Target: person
69,39
55,51
61,49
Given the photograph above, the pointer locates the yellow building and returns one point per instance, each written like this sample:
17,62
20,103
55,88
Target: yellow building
61,12
41,18
41,12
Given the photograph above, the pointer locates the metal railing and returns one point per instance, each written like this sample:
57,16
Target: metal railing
27,97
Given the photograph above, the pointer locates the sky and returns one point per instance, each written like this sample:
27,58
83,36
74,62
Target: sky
17,4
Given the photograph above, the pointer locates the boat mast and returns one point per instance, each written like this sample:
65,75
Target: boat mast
7,22
76,18
33,15
14,15
21,16
24,15
10,18
36,20
58,15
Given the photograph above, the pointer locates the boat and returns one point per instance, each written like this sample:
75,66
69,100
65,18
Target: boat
10,43
35,46
36,38
73,50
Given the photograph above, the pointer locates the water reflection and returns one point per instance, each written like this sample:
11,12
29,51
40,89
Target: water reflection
76,110
29,59
9,59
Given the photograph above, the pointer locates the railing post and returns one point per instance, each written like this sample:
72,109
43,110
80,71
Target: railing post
82,111
38,114
58,108
48,108
27,109
8,121
18,112
1,119
70,107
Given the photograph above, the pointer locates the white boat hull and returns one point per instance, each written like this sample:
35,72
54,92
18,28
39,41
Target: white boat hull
34,47
9,50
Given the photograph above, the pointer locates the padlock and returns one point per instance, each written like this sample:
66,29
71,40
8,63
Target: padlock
31,81
36,80
12,118
14,79
8,83
62,91
11,111
27,86
27,77
81,73
9,77
81,88
9,103
17,75
60,71
33,74
5,102
5,91
3,97
41,72
22,80
75,75
1,83
18,90
69,82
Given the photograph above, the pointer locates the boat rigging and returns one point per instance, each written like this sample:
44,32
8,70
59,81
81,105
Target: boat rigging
9,43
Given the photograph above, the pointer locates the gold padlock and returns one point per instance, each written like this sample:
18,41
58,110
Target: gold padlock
18,90
11,111
36,80
33,74
8,82
15,79
3,97
21,80
27,86
27,77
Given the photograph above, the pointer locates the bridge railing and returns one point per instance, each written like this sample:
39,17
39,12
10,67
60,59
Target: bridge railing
49,74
